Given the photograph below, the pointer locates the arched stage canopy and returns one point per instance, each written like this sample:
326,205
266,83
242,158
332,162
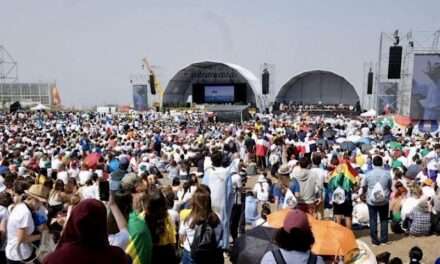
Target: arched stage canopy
313,87
179,88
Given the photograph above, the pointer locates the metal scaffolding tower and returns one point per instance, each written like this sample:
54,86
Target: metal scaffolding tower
8,66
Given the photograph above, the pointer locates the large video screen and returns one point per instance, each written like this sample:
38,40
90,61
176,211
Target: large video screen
425,95
387,97
219,93
140,97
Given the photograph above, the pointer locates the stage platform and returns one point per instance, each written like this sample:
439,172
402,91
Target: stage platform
229,113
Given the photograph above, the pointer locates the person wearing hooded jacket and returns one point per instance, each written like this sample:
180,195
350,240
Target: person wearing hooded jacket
308,185
85,239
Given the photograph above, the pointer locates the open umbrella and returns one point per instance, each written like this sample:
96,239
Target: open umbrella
395,145
92,160
366,147
348,146
331,239
251,247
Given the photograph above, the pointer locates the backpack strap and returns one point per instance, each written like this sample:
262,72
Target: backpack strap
279,259
312,258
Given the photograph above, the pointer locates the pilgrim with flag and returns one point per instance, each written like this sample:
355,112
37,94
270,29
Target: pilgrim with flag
341,182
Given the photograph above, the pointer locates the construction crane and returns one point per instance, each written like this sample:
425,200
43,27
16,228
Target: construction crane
154,82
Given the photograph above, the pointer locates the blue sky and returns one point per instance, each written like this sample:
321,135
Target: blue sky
90,47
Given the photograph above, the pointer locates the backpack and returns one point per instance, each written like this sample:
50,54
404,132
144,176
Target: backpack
274,159
338,196
377,195
279,259
205,245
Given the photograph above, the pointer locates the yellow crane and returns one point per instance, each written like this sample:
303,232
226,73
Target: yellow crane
154,82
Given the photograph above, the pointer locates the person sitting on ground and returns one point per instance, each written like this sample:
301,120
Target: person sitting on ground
396,207
360,213
420,219
265,211
294,239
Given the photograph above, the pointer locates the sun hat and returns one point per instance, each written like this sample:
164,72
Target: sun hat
284,169
428,182
38,191
296,219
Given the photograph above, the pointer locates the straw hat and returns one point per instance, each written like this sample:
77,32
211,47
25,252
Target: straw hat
38,191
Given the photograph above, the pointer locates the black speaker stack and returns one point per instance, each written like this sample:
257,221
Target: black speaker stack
152,84
395,62
265,81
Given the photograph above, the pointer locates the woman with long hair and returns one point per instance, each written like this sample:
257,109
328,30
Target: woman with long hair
163,231
201,213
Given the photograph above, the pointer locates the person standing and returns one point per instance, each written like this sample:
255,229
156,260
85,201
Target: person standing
377,183
219,181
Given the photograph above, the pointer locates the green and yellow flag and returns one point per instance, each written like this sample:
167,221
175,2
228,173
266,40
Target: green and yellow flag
343,176
140,245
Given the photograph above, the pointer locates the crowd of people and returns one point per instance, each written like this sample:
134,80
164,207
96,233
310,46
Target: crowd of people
176,188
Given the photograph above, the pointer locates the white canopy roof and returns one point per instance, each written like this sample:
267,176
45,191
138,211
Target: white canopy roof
39,107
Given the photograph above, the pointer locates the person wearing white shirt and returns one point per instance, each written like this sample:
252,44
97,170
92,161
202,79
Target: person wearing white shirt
261,189
84,175
433,162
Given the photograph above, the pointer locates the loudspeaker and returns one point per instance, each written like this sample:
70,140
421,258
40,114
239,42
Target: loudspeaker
265,81
198,93
240,93
395,62
370,83
152,84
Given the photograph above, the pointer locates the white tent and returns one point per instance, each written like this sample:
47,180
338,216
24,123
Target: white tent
39,107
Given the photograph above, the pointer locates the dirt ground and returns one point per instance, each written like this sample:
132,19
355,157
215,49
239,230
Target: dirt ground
400,246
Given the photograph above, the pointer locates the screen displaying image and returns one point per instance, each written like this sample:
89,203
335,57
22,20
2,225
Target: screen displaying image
425,97
140,97
219,93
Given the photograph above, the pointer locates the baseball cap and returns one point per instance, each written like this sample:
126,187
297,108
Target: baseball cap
295,219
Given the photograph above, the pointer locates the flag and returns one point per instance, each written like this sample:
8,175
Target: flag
56,98
343,176
140,245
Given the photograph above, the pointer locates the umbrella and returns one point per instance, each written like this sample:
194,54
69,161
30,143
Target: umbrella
331,239
354,138
403,121
276,219
395,145
39,107
365,140
251,247
348,145
369,113
386,121
366,147
92,160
